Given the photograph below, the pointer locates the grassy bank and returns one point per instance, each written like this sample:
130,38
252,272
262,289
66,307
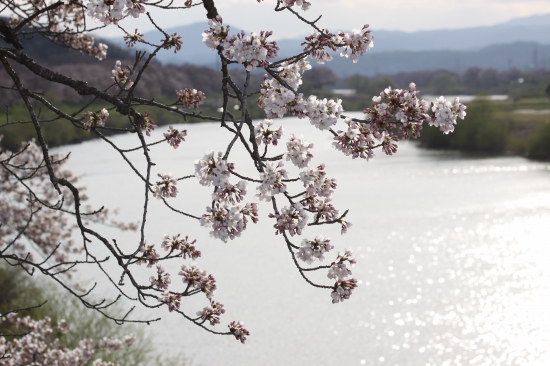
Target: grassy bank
520,128
61,132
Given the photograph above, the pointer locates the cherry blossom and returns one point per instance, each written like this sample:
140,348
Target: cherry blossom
212,169
338,269
254,50
162,280
94,119
229,192
292,219
172,300
187,248
298,151
238,330
212,312
342,290
198,279
147,123
316,183
173,41
121,76
149,255
228,222
314,249
175,137
272,181
446,114
165,187
264,134
190,98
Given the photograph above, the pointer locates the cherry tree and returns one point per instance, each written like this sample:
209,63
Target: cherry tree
39,199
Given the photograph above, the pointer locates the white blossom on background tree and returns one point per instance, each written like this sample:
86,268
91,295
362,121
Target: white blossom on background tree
39,200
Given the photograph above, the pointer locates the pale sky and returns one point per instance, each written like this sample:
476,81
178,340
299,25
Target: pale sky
405,15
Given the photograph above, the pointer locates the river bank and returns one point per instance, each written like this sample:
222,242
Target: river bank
495,126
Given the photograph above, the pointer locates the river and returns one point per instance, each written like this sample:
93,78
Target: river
453,258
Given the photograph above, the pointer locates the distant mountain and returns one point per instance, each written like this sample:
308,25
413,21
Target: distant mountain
520,55
440,43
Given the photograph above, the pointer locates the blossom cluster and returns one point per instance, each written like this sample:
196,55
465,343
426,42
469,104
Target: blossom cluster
95,119
292,219
316,182
323,113
161,280
445,114
276,99
147,124
198,279
165,187
149,255
227,217
391,108
254,50
39,346
279,97
343,287
112,11
228,222
239,331
121,76
264,134
298,151
212,168
190,98
174,136
272,181
212,313
319,44
314,249
174,243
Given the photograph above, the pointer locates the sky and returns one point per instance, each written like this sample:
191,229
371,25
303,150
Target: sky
403,15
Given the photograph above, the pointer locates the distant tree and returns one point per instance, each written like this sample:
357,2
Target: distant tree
547,91
41,202
444,83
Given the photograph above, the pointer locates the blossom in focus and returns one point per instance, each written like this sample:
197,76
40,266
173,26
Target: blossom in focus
121,76
94,119
149,255
298,151
228,222
338,268
238,330
314,249
165,187
342,290
212,313
186,247
264,134
292,219
174,136
272,181
212,169
254,49
162,280
229,192
172,300
446,113
198,279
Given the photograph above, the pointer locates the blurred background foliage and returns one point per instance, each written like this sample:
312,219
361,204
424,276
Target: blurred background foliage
19,290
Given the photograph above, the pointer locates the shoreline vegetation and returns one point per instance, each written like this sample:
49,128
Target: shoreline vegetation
501,127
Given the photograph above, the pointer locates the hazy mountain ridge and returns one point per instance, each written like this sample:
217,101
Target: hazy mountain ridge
439,47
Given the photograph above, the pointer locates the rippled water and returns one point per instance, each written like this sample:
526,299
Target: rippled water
453,259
